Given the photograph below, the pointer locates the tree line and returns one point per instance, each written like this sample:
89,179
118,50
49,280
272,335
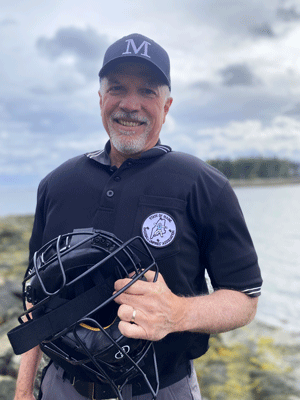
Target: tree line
251,168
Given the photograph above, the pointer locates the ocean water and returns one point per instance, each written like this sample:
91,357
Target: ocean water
17,200
273,218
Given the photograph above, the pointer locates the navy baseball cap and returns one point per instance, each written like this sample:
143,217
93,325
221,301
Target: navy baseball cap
137,47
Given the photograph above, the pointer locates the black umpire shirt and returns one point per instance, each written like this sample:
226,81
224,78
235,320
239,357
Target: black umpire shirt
186,211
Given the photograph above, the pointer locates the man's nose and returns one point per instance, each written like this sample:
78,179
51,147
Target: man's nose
130,103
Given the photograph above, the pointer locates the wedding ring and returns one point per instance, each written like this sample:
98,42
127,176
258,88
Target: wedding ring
133,316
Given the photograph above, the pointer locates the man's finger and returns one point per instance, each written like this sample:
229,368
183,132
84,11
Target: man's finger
150,275
127,313
139,287
132,330
131,300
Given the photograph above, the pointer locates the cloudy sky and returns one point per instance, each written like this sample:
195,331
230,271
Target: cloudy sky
235,70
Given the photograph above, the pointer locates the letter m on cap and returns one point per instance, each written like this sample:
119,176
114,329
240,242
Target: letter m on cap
144,45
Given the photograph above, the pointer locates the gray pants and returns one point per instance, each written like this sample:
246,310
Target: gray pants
55,388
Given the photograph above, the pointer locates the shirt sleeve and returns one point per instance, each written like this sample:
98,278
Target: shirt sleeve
36,240
230,255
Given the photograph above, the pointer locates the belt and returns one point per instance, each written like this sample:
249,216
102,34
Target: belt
97,391
92,390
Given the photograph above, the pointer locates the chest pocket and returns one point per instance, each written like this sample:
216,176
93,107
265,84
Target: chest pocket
160,221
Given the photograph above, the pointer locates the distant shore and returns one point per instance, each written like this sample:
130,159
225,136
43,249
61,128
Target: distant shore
11,202
264,182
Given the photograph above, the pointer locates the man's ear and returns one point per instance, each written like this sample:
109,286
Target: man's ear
167,106
100,96
168,103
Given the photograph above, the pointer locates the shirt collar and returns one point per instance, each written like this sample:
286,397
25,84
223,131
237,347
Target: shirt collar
102,156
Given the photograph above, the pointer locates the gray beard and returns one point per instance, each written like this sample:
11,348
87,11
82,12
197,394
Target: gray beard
128,145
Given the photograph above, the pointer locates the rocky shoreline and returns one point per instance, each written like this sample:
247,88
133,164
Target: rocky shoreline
257,362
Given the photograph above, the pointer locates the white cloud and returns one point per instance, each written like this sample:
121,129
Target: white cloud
38,154
280,138
52,53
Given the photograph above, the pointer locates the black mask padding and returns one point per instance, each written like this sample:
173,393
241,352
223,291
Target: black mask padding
75,263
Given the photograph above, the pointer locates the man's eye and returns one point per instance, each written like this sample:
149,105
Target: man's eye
148,92
115,88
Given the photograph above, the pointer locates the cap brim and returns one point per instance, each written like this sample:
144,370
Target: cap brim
112,64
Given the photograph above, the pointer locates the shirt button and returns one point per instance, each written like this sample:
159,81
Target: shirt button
110,193
117,178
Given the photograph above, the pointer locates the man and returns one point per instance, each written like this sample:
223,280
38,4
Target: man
184,209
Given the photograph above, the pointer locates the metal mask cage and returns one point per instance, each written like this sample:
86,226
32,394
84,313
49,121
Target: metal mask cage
53,275
56,253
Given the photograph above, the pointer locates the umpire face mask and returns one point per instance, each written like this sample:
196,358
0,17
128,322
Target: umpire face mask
73,317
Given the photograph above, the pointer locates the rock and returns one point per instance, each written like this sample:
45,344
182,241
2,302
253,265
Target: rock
15,233
13,366
256,362
7,387
9,363
14,287
10,305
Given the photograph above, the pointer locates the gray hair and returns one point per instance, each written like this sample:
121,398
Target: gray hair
163,85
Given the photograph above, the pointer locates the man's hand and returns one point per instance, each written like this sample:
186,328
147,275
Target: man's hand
158,311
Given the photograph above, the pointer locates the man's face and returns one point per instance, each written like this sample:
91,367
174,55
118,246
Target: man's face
133,108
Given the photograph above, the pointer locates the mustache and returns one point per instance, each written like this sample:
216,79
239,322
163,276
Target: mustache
132,116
